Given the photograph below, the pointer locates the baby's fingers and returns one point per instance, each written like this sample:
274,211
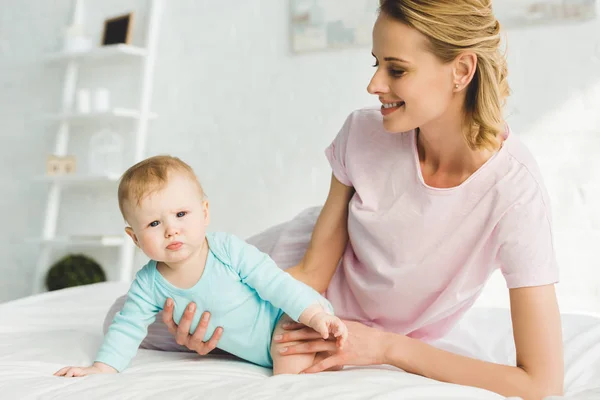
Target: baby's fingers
62,371
323,329
341,333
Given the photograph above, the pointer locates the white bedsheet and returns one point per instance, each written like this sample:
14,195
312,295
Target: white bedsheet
40,334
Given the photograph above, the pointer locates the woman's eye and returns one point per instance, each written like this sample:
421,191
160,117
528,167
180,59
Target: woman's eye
181,214
397,72
154,223
376,64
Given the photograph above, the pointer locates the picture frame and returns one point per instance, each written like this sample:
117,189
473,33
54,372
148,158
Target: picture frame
523,13
324,25
117,30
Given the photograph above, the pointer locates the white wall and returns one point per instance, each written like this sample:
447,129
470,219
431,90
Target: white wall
253,120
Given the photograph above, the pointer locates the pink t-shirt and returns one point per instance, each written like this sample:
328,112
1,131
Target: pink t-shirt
418,256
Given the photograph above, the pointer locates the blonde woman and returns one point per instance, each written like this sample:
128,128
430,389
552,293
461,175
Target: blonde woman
429,195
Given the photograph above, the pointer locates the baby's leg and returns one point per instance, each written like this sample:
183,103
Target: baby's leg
288,364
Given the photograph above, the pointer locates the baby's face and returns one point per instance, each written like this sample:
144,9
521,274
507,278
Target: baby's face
169,225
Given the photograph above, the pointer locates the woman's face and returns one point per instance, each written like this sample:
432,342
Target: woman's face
414,87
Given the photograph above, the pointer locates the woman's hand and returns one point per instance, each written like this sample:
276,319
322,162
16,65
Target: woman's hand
364,346
182,331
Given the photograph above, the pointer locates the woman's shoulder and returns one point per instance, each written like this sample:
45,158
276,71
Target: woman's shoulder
521,172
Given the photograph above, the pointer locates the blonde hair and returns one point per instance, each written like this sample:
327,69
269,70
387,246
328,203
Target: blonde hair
453,27
148,176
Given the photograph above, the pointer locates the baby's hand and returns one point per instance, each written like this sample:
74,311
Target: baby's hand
325,324
97,368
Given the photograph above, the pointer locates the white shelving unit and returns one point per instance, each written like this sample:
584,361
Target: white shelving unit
114,51
78,179
84,240
49,239
114,114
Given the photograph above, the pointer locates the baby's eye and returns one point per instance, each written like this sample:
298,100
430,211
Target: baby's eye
181,214
153,224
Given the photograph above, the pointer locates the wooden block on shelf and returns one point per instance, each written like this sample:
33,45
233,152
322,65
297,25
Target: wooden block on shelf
53,165
60,165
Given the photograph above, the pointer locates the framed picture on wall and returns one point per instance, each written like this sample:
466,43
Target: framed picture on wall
117,30
519,13
331,24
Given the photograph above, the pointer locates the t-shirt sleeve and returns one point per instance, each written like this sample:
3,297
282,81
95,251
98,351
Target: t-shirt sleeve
526,251
336,153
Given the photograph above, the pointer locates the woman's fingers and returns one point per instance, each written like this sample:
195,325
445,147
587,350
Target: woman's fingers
212,342
314,346
167,317
329,362
302,334
196,341
292,326
182,335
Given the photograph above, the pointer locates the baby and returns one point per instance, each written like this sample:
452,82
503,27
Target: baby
243,289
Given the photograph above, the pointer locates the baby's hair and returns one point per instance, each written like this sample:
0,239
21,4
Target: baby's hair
151,175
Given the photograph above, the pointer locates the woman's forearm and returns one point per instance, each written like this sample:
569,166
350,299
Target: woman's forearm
328,240
419,358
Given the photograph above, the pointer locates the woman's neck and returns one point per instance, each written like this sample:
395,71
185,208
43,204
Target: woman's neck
446,158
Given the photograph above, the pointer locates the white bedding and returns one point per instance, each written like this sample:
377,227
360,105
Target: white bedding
40,334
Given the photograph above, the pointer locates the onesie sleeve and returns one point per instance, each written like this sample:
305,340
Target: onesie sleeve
257,270
130,325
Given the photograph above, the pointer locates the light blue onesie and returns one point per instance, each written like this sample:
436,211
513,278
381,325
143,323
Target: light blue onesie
242,288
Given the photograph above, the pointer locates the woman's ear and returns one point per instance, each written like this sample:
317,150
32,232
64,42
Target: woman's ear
132,235
465,66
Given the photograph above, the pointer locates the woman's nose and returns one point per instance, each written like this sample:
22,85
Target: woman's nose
378,84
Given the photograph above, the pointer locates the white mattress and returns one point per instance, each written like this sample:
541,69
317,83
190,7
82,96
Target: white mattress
40,334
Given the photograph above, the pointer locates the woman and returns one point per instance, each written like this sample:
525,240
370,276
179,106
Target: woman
429,195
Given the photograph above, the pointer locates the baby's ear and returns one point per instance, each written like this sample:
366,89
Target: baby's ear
206,211
132,235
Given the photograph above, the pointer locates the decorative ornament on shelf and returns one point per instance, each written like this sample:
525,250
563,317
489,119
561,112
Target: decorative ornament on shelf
75,40
60,165
74,270
97,100
106,152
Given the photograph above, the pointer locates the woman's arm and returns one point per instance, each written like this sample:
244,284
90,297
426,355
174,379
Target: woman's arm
328,240
538,341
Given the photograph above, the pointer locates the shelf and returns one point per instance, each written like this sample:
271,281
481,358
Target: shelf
78,179
115,113
83,240
117,50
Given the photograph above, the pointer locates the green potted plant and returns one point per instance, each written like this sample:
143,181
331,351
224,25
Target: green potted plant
74,270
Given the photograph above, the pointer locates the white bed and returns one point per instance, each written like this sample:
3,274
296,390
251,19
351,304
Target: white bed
40,334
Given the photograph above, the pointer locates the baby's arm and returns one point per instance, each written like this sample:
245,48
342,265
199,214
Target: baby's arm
298,300
126,332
